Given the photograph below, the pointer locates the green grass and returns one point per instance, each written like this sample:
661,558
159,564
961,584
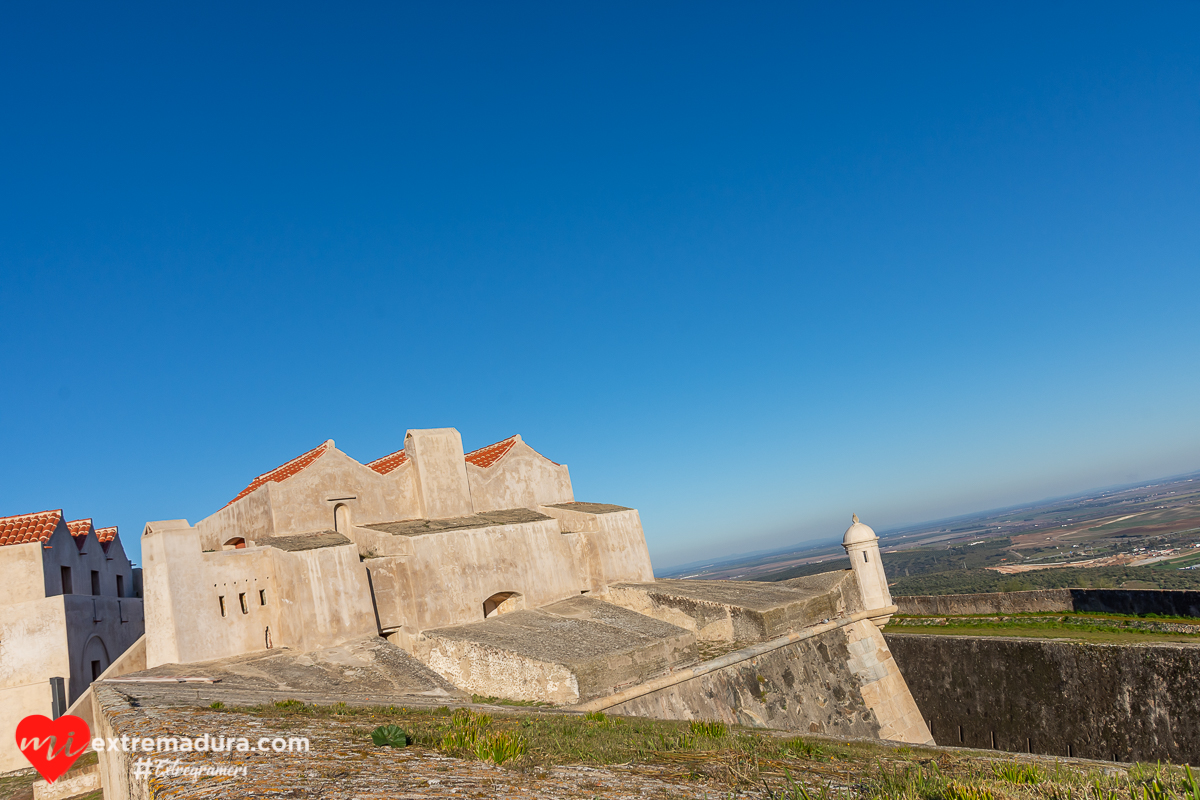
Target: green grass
1082,626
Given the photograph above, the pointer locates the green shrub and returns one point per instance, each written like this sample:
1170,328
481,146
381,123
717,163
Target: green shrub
389,736
500,747
709,730
802,749
1013,772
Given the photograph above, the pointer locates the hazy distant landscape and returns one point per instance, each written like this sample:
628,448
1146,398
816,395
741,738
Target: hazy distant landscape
1143,536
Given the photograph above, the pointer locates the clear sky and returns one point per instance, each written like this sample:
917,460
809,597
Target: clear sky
748,268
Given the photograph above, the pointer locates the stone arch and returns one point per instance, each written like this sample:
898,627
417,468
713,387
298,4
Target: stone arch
503,603
236,543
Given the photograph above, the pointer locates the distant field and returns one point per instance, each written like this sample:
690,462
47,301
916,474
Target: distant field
1099,628
1085,541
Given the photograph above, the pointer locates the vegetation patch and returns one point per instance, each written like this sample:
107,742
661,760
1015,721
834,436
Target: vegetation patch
770,765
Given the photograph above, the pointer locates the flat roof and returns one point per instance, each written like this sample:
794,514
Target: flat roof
486,519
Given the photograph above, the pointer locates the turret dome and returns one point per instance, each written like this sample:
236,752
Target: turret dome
858,533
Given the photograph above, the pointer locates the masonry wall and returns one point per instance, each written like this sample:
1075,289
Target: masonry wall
33,649
842,682
1168,602
303,600
1118,702
522,478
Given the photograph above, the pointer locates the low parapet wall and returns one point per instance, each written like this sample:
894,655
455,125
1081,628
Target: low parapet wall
1167,602
1111,702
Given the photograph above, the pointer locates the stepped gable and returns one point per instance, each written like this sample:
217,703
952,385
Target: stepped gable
484,457
285,471
106,536
79,530
25,528
389,462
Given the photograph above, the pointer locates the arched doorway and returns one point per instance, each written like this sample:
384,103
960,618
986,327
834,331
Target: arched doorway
95,659
341,518
502,603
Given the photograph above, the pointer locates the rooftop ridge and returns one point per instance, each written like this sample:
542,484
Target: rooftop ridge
389,462
486,456
284,471
25,528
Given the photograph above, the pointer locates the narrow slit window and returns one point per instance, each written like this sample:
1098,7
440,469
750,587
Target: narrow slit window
242,602
262,597
120,586
866,558
222,599
65,574
95,582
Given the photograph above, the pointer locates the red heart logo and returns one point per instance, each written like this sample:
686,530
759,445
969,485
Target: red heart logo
52,745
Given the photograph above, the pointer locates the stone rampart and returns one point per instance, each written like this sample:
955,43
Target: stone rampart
1112,702
1167,602
842,681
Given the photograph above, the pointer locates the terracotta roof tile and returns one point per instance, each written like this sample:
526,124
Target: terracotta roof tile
388,463
285,471
25,528
79,530
106,535
486,456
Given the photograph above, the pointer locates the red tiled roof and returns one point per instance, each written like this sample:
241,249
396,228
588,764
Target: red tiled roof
79,530
106,535
388,463
486,456
286,471
25,528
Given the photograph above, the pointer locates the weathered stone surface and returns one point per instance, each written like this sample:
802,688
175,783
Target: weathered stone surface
420,527
368,670
744,611
305,541
1118,702
564,653
842,682
590,508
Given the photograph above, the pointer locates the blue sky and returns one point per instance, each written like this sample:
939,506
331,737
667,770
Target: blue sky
747,269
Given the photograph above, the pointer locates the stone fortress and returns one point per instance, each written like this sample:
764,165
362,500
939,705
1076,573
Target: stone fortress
438,576
483,569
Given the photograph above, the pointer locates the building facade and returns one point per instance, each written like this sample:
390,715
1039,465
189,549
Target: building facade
70,604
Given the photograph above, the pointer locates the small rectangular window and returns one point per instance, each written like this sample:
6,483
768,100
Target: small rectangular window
222,599
66,580
96,670
242,602
120,586
262,597
95,582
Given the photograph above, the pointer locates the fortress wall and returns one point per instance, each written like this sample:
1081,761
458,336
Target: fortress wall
1113,702
1169,602
988,603
842,682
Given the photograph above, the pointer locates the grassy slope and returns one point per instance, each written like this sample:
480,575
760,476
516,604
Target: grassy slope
798,768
